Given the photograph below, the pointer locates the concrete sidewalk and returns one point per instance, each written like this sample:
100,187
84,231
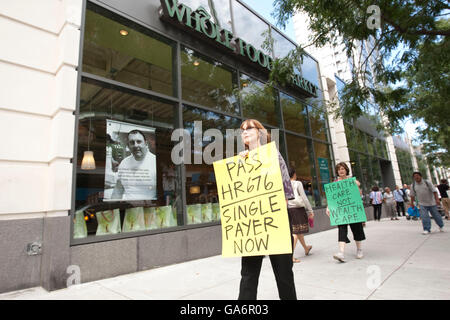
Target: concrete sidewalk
399,263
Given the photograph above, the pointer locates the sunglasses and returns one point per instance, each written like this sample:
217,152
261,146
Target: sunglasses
248,129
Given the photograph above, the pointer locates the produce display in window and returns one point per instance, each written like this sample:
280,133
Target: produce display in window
130,170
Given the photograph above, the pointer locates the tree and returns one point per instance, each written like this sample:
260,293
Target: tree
414,84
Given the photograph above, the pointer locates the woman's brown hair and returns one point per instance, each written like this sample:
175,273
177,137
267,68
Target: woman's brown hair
343,165
252,123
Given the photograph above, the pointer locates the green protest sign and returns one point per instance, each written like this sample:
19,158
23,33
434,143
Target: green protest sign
344,202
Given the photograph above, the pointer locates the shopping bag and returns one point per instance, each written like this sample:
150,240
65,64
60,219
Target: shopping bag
79,225
194,213
215,211
150,218
134,220
413,212
164,217
207,212
108,222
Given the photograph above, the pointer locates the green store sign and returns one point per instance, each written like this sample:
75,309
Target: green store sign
199,21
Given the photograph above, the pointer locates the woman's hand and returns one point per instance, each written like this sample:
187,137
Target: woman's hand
244,153
311,215
328,212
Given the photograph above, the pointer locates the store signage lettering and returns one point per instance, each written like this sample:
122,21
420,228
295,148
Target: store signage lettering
252,204
200,21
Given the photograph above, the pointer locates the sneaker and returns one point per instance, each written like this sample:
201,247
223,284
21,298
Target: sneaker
426,232
441,229
339,256
359,254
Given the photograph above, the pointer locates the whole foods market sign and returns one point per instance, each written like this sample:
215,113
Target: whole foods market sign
199,22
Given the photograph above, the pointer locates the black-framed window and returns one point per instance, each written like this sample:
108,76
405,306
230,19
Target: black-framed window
201,190
259,101
301,158
134,187
125,52
318,123
208,83
324,167
295,115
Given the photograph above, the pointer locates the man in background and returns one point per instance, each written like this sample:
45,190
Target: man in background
428,199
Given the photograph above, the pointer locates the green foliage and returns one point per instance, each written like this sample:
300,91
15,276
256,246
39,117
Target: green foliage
409,83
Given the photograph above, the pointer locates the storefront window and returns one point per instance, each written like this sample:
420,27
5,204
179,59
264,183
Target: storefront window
250,28
318,123
366,177
300,158
405,165
354,162
208,83
122,53
281,45
133,186
201,189
376,171
382,149
316,102
218,9
360,140
325,166
258,101
349,136
371,145
309,70
294,114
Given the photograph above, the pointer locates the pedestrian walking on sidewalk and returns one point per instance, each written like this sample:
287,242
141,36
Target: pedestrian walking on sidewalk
399,199
407,192
342,172
428,200
253,135
389,201
376,199
300,211
445,200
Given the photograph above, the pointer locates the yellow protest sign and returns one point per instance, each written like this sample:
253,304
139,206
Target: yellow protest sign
252,203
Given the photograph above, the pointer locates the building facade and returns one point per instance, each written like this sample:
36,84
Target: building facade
91,89
97,86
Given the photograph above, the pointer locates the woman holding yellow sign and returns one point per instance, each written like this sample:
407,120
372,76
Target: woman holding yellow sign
342,172
254,135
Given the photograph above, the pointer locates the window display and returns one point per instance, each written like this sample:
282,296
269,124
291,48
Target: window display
131,169
134,187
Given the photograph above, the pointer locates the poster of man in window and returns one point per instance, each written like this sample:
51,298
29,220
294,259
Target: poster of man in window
130,170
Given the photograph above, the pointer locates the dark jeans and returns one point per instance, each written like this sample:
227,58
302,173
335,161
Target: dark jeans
284,276
400,205
376,211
